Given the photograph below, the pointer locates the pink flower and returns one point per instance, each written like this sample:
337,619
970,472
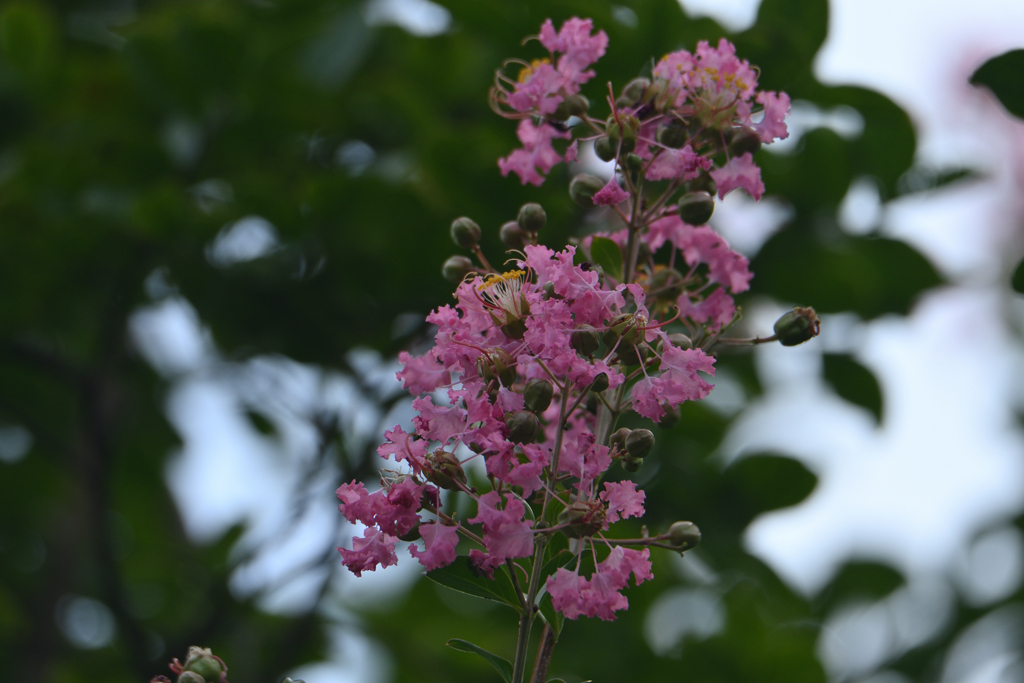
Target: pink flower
610,194
579,48
506,533
537,154
423,374
374,548
716,309
599,596
677,382
623,500
439,542
725,266
773,125
403,446
540,91
739,172
683,163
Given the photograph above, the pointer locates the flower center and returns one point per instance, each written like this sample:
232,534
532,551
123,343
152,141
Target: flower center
504,292
527,71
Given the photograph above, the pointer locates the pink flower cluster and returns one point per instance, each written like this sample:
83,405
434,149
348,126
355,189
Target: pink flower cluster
708,96
531,367
503,333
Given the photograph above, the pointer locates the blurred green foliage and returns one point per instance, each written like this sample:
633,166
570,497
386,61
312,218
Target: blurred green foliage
132,135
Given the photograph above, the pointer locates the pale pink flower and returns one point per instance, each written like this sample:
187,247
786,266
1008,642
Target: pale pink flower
610,194
537,156
739,172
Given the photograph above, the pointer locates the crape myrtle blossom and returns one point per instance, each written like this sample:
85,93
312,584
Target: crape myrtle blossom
503,332
532,367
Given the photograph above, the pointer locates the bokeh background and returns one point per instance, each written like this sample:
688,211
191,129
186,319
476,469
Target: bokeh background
220,221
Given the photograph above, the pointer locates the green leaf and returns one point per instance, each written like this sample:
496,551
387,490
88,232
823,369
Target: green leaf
1004,76
503,666
554,618
854,382
463,576
1018,278
607,255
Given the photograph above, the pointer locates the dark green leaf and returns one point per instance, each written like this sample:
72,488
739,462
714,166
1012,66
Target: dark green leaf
503,666
1004,76
1018,278
463,576
854,382
607,254
554,618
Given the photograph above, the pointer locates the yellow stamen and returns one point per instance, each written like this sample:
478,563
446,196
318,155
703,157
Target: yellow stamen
527,71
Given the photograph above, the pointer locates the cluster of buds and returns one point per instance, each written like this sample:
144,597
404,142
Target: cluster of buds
200,666
532,367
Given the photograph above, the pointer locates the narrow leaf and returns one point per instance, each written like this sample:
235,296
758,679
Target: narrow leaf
503,666
607,255
462,576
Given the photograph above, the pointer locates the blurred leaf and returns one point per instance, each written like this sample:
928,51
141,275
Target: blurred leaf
854,382
502,666
924,180
1004,76
860,581
607,254
464,577
768,482
28,37
1018,278
867,275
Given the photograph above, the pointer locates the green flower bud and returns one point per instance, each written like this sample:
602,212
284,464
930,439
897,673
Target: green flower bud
634,90
696,208
600,383
531,217
497,365
617,441
634,162
583,187
683,535
744,140
632,465
703,183
203,662
583,518
190,677
585,341
444,469
537,394
512,236
630,355
681,340
667,283
627,327
523,427
605,148
639,443
629,126
672,134
576,105
613,131
797,326
465,232
456,268
591,402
